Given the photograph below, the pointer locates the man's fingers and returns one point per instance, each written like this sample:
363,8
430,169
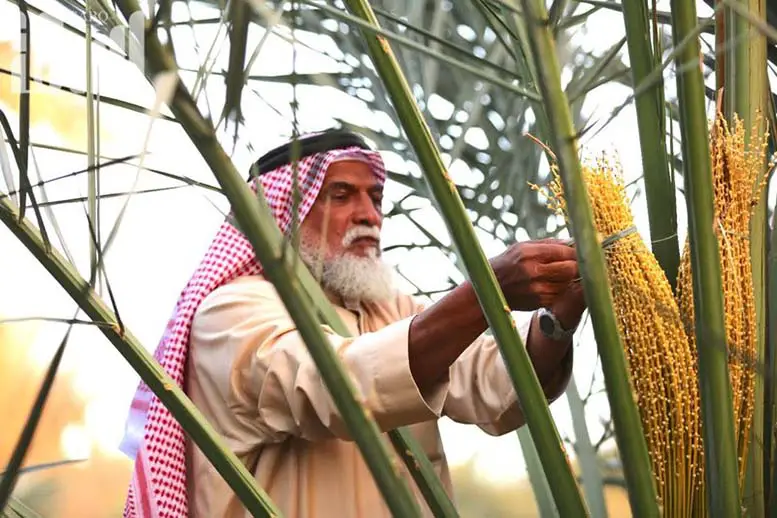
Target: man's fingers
553,252
548,292
561,272
549,241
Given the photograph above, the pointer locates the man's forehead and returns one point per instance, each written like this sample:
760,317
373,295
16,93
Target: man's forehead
352,171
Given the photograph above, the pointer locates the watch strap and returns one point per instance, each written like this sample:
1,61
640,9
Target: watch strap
551,327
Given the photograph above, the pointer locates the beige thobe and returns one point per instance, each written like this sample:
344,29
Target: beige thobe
251,375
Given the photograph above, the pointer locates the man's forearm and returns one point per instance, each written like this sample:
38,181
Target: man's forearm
441,333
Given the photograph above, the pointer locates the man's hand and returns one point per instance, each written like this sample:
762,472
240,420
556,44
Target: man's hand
535,274
569,306
538,274
532,275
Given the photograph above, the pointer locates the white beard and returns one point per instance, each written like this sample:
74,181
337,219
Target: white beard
365,279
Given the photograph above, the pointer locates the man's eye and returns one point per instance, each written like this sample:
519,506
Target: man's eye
338,195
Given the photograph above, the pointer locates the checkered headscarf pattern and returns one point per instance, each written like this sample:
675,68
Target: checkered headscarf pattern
153,437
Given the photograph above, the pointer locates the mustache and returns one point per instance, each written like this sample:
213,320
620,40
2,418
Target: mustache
360,231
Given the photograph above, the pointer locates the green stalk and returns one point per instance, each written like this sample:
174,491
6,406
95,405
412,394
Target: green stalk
24,108
238,37
768,428
750,94
771,346
659,178
628,427
537,479
23,150
92,174
252,215
422,471
714,383
416,461
755,500
736,43
593,486
532,400
197,427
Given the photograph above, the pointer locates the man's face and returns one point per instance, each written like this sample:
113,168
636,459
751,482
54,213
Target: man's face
346,217
340,237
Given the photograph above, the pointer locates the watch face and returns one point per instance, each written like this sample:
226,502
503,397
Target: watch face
546,325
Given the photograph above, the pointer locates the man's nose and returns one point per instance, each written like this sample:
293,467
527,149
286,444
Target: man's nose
367,213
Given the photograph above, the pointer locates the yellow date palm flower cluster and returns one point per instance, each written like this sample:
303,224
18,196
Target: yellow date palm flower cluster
656,326
661,365
739,179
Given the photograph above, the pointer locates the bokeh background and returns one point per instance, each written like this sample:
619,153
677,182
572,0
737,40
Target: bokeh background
162,226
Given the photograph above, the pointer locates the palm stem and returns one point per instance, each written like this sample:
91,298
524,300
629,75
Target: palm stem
92,193
715,387
771,366
497,313
197,427
628,427
408,449
746,72
251,213
539,482
422,471
759,236
593,486
659,178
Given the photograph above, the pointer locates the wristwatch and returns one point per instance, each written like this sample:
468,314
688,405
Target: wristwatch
551,327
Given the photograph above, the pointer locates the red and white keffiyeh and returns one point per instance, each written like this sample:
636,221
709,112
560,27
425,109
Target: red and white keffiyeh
153,437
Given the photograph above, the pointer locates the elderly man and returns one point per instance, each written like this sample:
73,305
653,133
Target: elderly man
234,348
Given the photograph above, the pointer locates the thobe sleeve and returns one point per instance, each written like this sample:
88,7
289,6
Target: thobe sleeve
275,389
479,390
